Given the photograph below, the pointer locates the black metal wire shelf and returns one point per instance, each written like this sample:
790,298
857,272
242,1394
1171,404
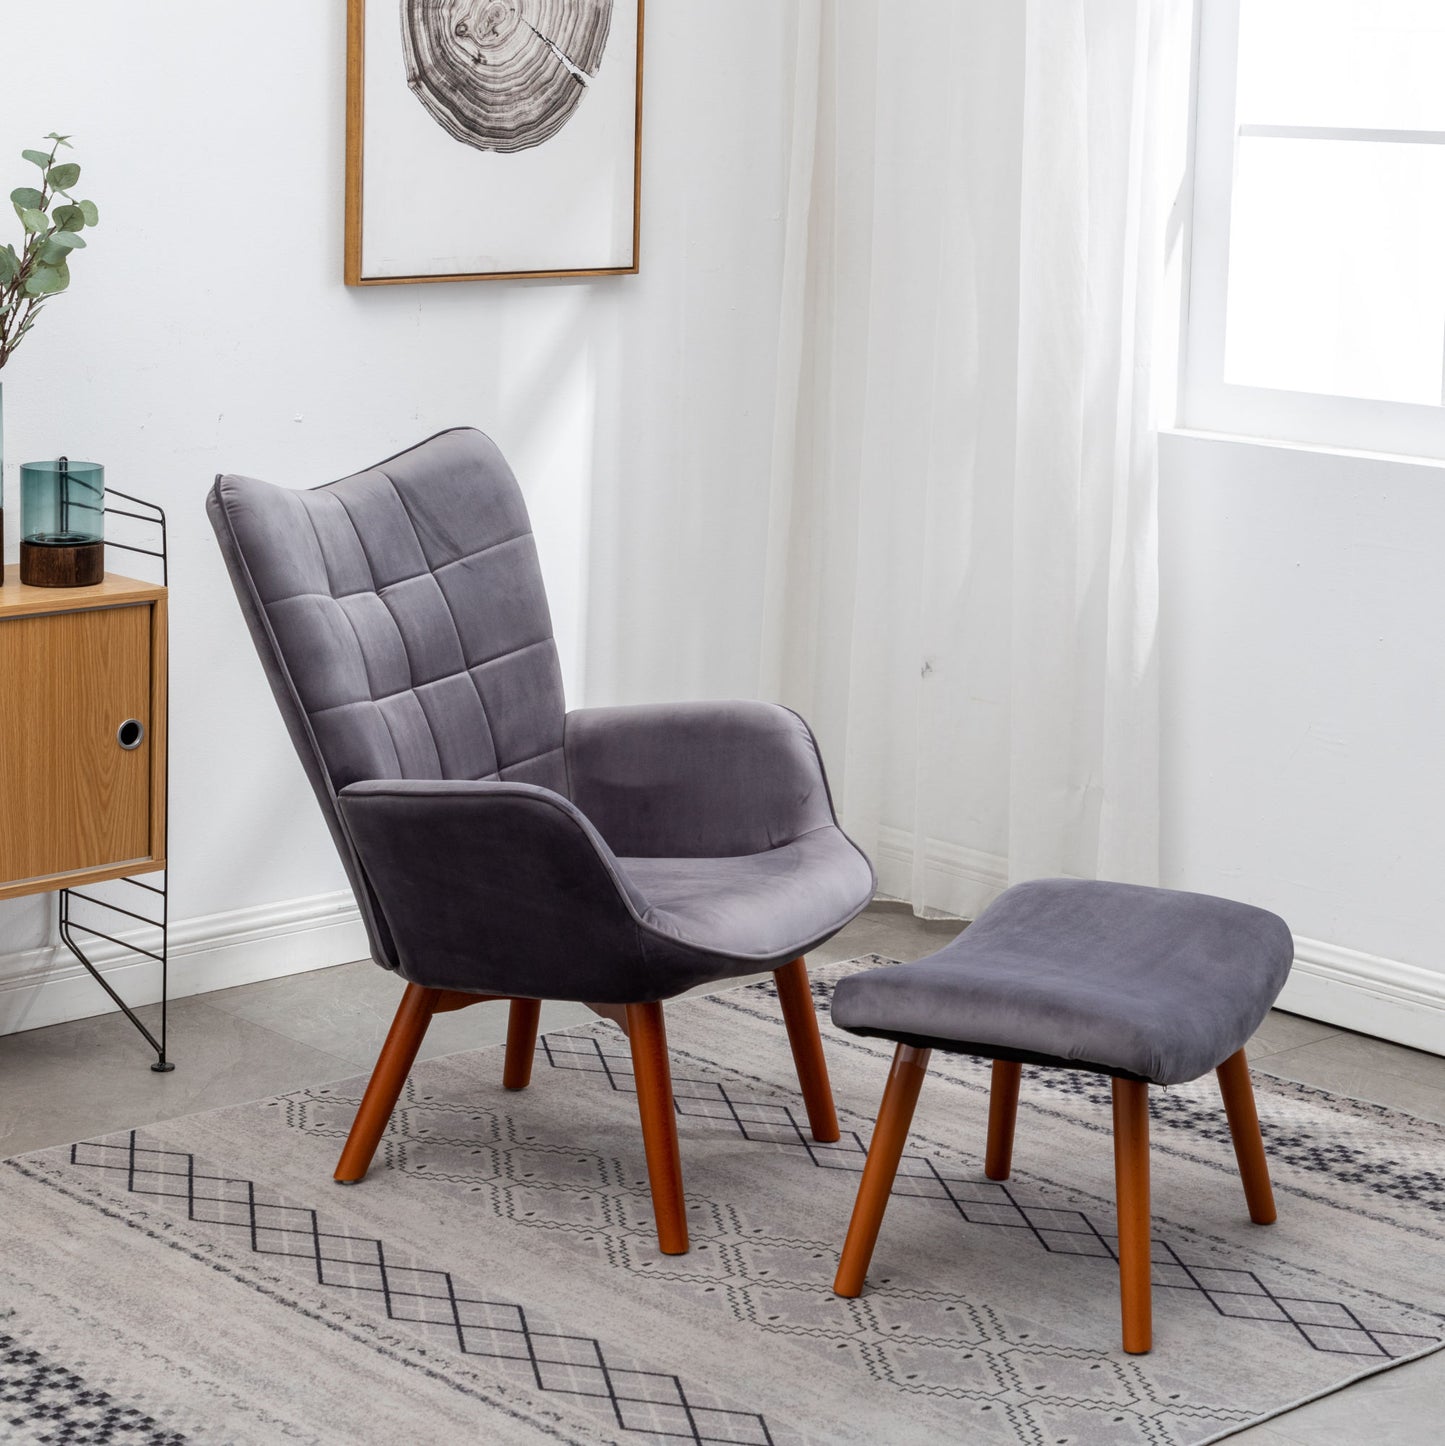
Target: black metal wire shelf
154,516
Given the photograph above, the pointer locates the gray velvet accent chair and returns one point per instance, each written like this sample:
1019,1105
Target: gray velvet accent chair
501,847
1146,986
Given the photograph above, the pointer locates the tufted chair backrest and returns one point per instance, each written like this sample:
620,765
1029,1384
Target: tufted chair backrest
401,619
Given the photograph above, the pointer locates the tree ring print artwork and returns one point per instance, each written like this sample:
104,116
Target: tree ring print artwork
492,139
503,75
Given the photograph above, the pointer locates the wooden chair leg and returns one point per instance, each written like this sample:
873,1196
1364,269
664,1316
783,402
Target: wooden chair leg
522,1020
393,1065
1131,1186
650,1069
1238,1092
890,1134
1003,1109
801,1019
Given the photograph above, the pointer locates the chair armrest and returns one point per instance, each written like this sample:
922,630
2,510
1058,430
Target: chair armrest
500,888
696,780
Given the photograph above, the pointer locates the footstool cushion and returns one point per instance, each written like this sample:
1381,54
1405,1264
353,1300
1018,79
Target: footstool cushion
1147,984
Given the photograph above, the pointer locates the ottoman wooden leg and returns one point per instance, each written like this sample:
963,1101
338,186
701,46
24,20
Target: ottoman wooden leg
1003,1109
1131,1187
890,1134
1238,1092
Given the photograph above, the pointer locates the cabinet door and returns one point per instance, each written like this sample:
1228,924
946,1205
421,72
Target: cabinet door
71,797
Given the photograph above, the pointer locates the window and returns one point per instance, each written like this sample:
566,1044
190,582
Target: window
1317,277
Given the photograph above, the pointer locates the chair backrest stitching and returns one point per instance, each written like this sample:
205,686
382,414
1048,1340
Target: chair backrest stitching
452,618
360,540
376,658
376,592
391,734
377,928
480,552
532,758
360,647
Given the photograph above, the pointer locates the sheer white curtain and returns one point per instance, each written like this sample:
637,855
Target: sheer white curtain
962,588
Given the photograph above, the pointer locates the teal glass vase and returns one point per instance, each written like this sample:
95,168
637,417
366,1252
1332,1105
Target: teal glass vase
62,523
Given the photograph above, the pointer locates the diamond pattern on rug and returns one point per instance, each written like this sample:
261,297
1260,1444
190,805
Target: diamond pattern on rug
922,1342
655,1403
1325,1325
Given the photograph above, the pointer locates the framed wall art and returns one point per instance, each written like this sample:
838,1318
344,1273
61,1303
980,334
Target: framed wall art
492,138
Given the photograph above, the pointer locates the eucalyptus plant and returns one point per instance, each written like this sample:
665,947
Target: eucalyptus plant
53,220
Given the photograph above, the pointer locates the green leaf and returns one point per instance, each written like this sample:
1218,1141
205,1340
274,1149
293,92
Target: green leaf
63,177
59,140
36,158
9,266
59,246
31,219
27,196
47,280
88,210
68,218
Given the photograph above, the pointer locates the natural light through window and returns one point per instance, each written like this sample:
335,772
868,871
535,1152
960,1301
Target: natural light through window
1336,246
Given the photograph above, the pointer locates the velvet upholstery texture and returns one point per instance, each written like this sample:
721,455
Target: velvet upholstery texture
496,842
1147,984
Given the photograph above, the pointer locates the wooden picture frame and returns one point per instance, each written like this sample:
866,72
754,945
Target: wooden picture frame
496,163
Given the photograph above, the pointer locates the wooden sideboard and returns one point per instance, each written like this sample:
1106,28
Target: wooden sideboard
82,733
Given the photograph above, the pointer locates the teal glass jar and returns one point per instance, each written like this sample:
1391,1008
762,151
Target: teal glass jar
62,523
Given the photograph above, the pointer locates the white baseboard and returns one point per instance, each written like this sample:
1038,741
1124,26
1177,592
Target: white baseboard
1367,993
1364,992
46,986
958,881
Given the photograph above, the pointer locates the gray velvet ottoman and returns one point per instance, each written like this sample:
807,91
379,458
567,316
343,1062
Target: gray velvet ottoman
1148,986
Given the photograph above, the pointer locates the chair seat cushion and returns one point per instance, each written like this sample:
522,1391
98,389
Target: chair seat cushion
1146,983
762,907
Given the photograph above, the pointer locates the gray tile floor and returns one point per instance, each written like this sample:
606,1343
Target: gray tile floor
74,1080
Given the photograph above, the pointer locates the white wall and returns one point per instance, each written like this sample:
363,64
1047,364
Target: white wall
207,329
1303,644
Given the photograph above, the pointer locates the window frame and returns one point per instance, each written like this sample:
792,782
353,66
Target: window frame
1206,401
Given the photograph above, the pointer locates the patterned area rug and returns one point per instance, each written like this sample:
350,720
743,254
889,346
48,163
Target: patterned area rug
495,1276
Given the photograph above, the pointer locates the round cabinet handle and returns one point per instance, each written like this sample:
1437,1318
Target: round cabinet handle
130,734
